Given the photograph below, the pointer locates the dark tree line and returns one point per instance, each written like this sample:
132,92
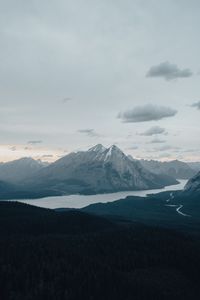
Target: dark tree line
73,255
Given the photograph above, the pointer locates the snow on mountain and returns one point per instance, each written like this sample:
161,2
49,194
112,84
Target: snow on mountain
98,148
97,170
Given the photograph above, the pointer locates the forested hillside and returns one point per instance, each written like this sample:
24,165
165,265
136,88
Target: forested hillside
72,255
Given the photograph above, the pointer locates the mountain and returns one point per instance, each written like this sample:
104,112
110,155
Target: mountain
175,168
17,170
193,185
195,165
97,170
6,187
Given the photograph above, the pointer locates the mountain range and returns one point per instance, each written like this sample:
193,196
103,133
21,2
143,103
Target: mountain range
175,168
17,170
97,170
194,165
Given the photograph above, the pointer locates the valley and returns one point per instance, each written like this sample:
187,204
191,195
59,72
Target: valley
142,243
98,170
80,201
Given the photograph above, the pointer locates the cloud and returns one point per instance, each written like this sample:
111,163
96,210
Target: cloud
190,150
156,141
132,148
167,147
146,113
13,148
164,155
66,99
89,132
153,131
168,71
47,155
34,142
196,104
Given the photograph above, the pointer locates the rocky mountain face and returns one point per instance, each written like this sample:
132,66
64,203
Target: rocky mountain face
97,170
176,169
6,187
193,185
195,165
17,170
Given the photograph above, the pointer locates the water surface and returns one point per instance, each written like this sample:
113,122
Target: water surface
80,201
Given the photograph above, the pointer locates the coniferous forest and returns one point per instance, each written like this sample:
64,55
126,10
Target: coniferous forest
74,255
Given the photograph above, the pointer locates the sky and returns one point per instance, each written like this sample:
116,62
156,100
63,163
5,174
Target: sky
75,73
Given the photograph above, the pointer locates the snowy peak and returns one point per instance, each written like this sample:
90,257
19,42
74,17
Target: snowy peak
105,154
96,170
131,158
114,153
97,148
115,149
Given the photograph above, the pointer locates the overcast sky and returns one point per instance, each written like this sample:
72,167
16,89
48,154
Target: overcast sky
74,73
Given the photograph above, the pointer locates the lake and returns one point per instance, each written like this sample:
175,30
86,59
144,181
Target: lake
80,201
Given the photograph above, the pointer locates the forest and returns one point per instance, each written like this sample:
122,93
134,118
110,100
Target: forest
74,255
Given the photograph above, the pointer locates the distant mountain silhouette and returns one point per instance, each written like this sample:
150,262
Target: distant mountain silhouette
17,170
175,168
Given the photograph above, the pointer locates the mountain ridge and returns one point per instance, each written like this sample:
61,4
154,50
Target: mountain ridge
193,185
17,170
174,168
97,170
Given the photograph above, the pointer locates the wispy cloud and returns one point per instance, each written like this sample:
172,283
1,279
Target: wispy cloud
164,155
146,113
156,141
89,132
134,147
66,99
13,148
154,131
167,147
47,155
34,142
168,71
